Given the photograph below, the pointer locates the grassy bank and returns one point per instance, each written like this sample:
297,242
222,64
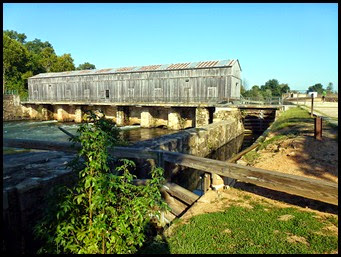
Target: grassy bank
243,230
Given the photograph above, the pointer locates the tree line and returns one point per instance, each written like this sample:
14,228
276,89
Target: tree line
272,88
23,59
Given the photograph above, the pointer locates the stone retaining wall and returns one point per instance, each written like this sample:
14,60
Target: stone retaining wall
198,141
12,109
27,180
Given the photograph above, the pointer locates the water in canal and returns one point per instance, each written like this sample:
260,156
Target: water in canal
48,130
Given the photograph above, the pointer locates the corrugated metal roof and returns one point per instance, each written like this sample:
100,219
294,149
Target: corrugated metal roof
174,66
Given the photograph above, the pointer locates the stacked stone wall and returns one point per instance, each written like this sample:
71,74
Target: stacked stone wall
12,109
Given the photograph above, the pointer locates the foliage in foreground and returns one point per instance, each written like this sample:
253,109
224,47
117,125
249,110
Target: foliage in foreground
241,230
104,212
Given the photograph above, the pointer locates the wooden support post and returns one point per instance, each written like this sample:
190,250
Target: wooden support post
217,182
207,182
318,128
312,106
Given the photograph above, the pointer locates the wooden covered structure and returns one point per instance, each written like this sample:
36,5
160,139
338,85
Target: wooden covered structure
198,82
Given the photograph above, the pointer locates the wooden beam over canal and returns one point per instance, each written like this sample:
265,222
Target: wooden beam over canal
297,185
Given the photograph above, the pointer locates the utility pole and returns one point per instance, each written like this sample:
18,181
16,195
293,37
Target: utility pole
312,105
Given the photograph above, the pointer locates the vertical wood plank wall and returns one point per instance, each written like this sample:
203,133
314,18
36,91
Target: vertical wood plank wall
186,85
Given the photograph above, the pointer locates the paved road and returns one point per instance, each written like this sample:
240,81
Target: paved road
328,110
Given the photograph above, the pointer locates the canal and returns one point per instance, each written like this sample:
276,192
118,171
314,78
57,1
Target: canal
48,130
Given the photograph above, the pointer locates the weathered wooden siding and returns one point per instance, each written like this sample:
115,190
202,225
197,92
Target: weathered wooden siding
186,85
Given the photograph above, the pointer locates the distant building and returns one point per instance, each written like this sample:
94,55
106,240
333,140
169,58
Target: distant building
182,82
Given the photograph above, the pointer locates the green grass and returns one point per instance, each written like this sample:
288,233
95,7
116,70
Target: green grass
288,125
292,117
251,157
272,140
240,230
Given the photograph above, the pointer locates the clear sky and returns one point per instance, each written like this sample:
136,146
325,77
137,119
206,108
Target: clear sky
296,44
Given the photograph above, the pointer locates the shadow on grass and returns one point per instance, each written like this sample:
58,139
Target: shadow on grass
287,198
158,245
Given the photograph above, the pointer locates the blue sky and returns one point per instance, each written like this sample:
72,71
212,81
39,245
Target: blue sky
296,44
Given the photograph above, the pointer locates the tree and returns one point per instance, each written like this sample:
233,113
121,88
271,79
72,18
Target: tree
36,46
330,88
63,63
267,93
20,37
242,90
22,60
15,58
104,212
254,92
86,66
284,88
273,86
316,88
48,59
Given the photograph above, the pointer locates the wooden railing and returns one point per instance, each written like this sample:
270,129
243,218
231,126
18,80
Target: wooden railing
297,185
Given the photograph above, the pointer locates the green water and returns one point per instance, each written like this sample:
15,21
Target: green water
48,130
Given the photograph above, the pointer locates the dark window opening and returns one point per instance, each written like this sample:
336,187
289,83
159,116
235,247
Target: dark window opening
107,93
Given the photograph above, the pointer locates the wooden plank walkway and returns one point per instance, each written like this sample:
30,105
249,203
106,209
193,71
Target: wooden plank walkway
297,185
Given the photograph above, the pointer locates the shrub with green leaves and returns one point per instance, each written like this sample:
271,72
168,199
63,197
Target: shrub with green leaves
104,212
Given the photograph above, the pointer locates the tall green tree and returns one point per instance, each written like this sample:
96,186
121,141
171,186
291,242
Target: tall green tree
63,63
254,92
36,46
284,88
48,59
20,37
22,60
330,88
316,88
86,66
273,86
15,59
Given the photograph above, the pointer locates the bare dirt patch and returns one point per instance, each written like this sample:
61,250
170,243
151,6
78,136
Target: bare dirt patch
285,217
296,239
302,156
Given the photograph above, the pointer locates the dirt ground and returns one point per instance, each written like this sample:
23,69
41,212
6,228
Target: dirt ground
302,156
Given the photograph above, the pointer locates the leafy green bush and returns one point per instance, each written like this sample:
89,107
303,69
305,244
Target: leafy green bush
104,212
